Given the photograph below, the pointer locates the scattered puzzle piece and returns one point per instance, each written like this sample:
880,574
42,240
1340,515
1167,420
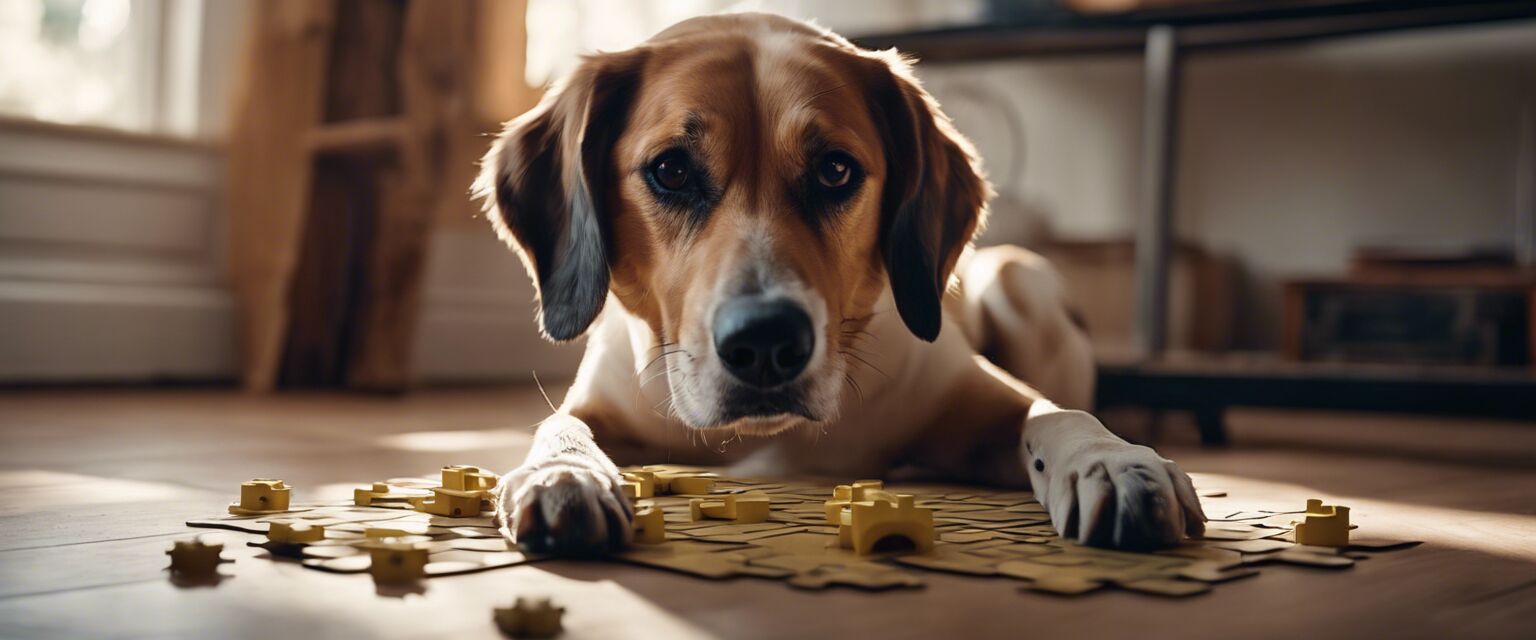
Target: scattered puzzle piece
195,558
639,484
450,503
380,495
290,533
867,527
650,527
844,494
460,477
394,560
261,496
741,508
530,619
1325,525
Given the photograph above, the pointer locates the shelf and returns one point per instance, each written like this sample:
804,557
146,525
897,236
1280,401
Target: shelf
1200,27
1212,383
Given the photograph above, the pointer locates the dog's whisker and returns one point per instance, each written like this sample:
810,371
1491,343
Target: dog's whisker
866,363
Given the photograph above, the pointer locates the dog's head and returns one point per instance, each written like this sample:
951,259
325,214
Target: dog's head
749,186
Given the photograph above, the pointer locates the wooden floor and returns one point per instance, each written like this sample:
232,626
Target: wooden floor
96,485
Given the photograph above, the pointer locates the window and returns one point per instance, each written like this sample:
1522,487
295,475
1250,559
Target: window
138,65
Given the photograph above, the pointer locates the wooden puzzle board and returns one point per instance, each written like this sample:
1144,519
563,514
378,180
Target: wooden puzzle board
980,533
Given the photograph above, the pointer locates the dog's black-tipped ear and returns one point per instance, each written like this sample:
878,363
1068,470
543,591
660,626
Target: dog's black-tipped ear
934,199
545,183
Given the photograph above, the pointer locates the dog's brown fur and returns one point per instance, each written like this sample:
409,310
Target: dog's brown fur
758,101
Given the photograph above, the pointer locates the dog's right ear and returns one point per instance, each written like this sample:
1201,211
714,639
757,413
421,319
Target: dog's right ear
545,186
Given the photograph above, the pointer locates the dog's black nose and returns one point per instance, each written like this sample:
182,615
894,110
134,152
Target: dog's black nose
763,342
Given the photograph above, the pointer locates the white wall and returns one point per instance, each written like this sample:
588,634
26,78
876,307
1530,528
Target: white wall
477,314
110,259
1288,156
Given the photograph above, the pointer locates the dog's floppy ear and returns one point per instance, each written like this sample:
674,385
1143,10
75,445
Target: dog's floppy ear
545,185
934,198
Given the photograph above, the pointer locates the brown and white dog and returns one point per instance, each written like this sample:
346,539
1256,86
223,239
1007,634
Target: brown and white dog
776,225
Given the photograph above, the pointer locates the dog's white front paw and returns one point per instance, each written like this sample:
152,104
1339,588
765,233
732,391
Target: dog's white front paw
1105,492
564,507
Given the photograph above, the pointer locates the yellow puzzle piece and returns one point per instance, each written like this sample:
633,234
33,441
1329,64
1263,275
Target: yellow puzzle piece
650,524
460,477
195,558
844,494
530,619
293,533
668,480
868,526
261,496
393,561
1325,525
451,503
639,484
740,508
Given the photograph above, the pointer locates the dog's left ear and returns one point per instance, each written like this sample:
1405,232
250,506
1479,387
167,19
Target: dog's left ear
934,199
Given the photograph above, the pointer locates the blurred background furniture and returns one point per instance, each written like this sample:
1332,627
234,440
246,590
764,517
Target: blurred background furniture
356,131
1165,32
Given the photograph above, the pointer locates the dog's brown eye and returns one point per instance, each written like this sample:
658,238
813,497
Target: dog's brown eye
835,171
671,173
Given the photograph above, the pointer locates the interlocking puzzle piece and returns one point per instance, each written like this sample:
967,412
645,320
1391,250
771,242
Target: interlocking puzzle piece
690,485
460,477
451,503
1325,525
294,533
530,619
195,558
868,526
380,494
261,496
845,493
650,525
375,533
674,481
639,484
393,560
741,508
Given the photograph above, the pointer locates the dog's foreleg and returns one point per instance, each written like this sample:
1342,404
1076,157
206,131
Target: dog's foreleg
566,497
1102,490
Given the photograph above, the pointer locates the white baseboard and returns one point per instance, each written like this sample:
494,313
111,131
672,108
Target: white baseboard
64,332
477,316
111,265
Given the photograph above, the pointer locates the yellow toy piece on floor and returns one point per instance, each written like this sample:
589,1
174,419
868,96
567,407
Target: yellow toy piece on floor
530,619
869,526
380,494
262,496
451,503
639,484
459,477
1325,525
195,558
294,533
393,561
650,524
375,533
844,494
668,480
740,508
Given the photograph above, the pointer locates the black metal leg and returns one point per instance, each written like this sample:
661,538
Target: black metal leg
1212,423
1154,228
